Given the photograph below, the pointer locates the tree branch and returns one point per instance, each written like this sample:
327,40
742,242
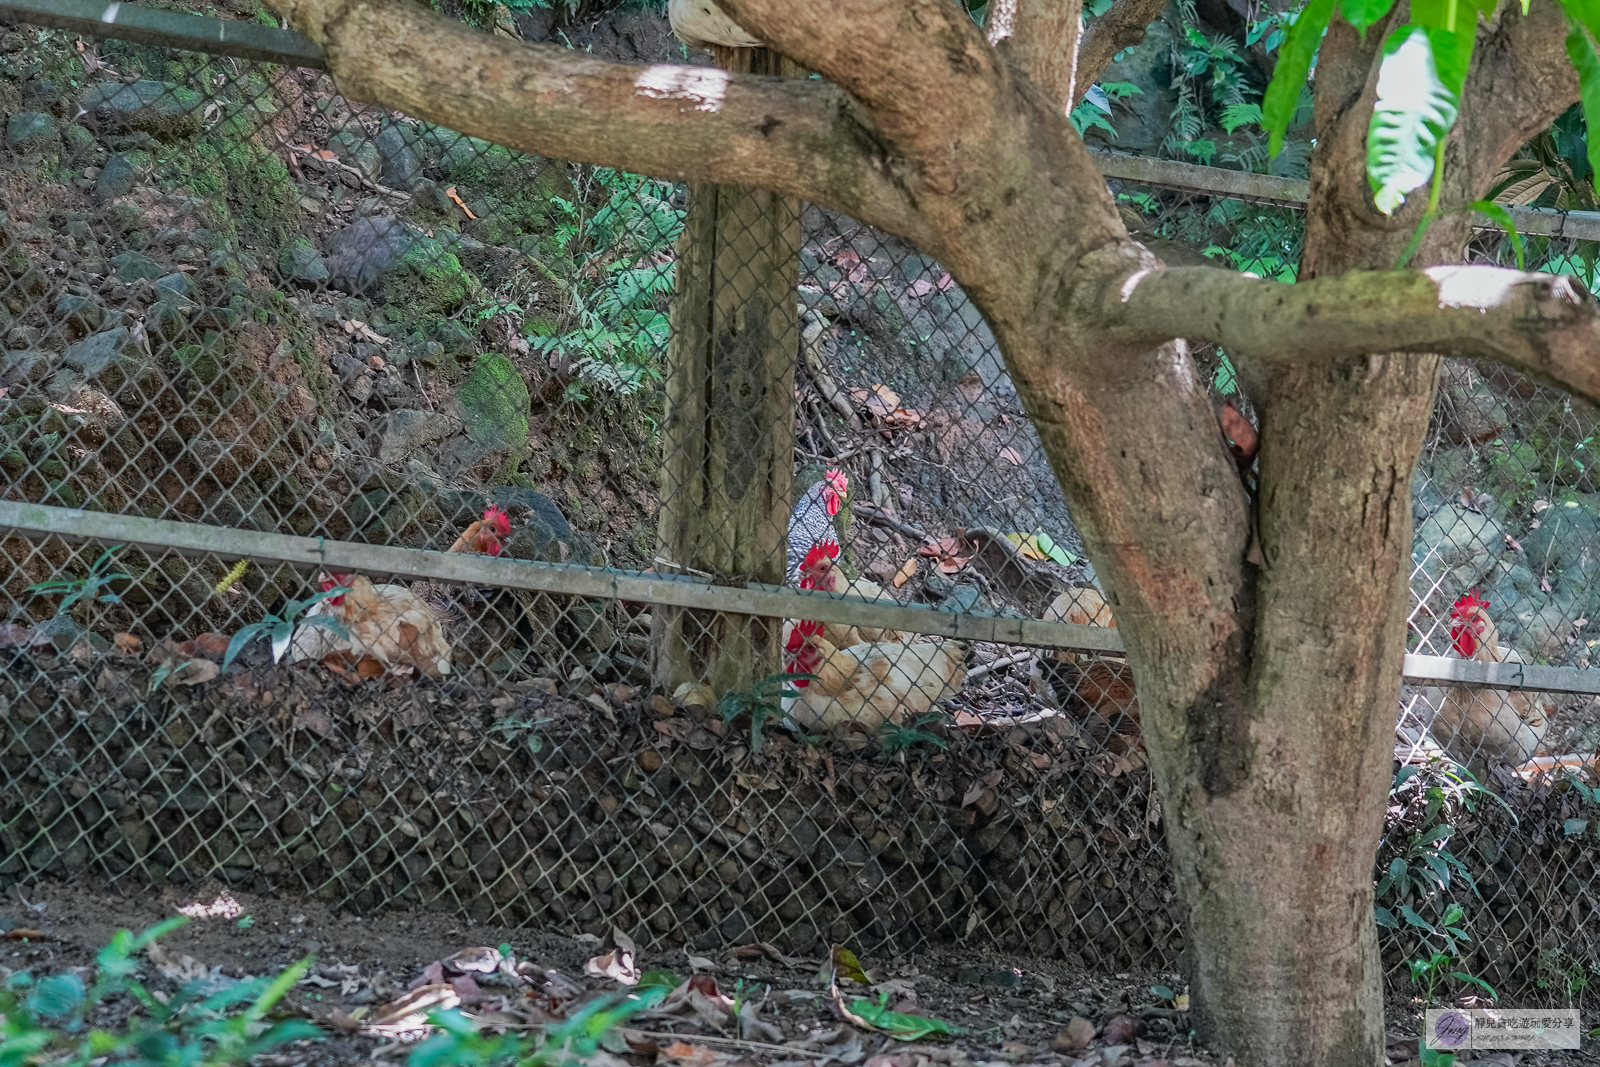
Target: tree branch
1041,38
1544,325
1122,27
800,138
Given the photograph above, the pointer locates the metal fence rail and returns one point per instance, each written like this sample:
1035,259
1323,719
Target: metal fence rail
578,430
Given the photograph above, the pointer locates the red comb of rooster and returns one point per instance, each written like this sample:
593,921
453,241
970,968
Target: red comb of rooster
1467,605
837,480
497,519
332,581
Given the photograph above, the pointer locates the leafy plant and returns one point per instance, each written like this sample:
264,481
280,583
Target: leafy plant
1094,110
280,628
1423,868
49,1019
1428,972
89,587
514,730
614,326
762,701
460,1044
898,738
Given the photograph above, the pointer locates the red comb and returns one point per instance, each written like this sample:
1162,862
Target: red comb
837,479
1468,604
498,519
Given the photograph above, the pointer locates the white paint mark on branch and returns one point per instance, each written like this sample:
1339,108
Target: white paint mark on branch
705,87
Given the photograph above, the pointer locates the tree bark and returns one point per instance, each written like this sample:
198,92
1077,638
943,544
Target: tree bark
729,433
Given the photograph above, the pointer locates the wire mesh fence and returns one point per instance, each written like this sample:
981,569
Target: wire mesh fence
637,428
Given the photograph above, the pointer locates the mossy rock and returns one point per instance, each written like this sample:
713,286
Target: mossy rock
494,404
427,282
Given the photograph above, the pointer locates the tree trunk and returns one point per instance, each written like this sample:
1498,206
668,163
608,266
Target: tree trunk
729,433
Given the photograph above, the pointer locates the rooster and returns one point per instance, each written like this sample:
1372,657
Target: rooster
812,547
869,684
486,536
1499,725
387,622
1103,683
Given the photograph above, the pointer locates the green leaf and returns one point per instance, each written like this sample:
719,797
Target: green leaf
1282,97
245,635
1575,826
58,995
1410,916
282,634
1364,13
1580,50
1236,115
1385,918
899,1025
1415,109
1163,992
1497,214
659,977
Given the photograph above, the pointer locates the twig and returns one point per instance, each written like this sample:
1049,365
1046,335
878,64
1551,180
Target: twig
811,350
715,1040
324,161
883,518
984,669
821,427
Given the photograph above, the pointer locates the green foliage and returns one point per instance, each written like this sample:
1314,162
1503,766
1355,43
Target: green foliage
1094,110
50,1019
575,1038
89,587
762,701
523,731
616,325
280,628
1281,100
897,738
1423,868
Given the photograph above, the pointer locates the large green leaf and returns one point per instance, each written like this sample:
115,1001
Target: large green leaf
1364,13
1278,103
1580,49
1419,86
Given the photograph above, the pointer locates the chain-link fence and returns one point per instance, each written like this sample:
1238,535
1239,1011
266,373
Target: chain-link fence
398,519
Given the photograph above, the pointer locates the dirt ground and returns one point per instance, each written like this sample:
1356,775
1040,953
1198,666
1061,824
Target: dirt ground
1015,1010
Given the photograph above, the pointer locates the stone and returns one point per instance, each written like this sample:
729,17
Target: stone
79,314
132,266
301,262
1121,1029
95,354
158,108
1457,546
1078,1033
493,404
177,283
118,177
408,430
397,148
33,131
359,254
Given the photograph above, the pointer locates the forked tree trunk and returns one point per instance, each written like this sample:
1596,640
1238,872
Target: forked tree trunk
729,434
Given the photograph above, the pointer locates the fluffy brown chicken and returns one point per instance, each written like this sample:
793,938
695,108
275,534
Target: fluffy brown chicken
387,622
1501,726
872,683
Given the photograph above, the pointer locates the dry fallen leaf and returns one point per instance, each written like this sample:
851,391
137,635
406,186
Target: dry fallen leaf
127,644
906,572
879,399
1239,430
919,288
1012,455
458,202
695,1055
